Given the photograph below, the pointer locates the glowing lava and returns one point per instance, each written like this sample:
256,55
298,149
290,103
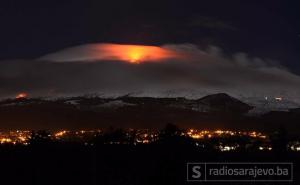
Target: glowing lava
135,57
21,96
134,53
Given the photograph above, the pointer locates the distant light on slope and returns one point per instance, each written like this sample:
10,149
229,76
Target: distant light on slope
21,96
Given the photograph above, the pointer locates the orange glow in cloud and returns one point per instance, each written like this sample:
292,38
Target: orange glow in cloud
135,53
117,52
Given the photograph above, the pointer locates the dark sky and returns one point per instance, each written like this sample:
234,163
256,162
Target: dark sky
266,29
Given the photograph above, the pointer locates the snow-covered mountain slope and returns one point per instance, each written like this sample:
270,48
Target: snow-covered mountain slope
267,104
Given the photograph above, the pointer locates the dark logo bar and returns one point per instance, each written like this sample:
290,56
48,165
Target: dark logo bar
240,172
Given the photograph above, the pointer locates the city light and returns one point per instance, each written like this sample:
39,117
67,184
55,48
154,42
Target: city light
145,136
60,134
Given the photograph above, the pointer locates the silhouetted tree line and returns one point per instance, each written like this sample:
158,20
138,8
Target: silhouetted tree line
173,135
41,137
113,136
279,140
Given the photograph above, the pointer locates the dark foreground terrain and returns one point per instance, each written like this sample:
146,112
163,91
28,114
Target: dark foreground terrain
68,164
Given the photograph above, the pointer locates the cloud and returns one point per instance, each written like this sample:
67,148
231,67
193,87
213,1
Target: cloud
198,72
122,52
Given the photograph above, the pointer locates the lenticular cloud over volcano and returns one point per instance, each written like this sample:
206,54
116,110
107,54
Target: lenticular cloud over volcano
117,52
115,69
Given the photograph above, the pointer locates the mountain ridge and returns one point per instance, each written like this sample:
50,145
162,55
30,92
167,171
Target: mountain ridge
209,112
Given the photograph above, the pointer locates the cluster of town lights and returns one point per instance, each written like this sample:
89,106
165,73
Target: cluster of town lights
147,136
201,134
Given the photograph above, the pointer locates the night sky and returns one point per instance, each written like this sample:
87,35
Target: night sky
268,30
262,28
